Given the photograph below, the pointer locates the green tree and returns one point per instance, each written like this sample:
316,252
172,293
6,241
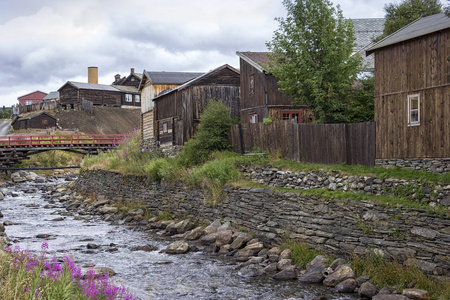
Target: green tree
401,14
212,134
361,101
312,57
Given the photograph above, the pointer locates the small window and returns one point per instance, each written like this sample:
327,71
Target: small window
295,116
137,98
253,118
414,110
165,127
28,102
252,84
44,122
128,98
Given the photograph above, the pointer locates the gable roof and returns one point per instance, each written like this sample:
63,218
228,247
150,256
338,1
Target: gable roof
31,94
127,88
420,27
170,77
366,30
90,86
189,83
255,59
52,95
30,116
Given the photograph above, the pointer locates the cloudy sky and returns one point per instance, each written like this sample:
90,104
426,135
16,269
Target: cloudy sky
45,43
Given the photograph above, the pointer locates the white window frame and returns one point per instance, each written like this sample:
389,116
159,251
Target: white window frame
414,97
137,98
128,98
253,118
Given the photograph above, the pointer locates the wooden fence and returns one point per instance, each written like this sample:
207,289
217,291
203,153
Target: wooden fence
47,105
86,105
313,143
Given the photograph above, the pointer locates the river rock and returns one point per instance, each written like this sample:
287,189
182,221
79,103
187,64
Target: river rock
178,247
337,262
92,246
389,297
180,227
286,253
212,227
252,270
18,179
284,264
2,227
105,210
209,239
314,274
415,294
342,273
367,289
146,248
271,268
274,254
2,196
1,214
289,273
250,250
225,249
194,234
224,237
240,239
347,286
225,226
98,272
318,260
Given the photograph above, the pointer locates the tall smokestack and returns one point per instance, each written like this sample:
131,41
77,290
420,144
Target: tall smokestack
132,70
93,75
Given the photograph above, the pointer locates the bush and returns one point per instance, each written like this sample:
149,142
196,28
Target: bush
212,134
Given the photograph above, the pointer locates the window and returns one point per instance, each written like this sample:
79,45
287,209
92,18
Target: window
137,98
128,98
165,127
414,110
252,84
44,122
292,115
253,118
28,102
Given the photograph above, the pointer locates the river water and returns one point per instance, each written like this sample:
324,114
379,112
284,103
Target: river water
149,275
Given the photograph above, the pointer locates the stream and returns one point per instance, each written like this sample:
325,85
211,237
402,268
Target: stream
148,275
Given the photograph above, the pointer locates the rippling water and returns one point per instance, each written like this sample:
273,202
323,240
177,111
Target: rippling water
149,275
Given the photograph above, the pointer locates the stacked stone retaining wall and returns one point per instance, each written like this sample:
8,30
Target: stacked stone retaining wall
336,226
438,165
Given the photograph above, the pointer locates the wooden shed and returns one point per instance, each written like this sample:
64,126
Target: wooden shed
260,97
72,92
412,90
152,84
35,120
178,110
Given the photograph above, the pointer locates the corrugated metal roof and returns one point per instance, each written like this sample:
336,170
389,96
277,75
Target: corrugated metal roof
52,95
125,88
366,30
170,77
92,86
420,27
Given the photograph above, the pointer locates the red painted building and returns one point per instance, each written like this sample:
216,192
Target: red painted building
31,98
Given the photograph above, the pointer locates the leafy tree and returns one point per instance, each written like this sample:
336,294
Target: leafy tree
312,57
361,101
212,134
447,9
400,15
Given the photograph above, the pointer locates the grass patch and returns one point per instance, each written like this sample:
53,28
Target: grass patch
52,158
391,273
301,254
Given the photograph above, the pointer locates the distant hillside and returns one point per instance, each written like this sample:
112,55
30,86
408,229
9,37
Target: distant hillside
104,120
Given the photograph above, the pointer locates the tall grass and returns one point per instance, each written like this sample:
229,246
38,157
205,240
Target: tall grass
23,277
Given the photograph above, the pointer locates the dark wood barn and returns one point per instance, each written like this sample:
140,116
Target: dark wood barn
71,93
130,95
178,111
36,120
131,80
412,90
260,97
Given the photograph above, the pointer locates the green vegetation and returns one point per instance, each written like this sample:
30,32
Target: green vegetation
5,114
52,158
267,121
398,15
301,254
312,56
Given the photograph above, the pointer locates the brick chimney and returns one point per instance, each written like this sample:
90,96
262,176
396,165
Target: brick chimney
117,78
93,75
132,70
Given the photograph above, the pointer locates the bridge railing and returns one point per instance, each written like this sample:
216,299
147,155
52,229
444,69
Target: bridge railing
61,140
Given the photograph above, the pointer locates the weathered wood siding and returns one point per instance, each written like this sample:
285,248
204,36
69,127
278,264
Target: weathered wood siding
148,125
312,143
416,66
68,95
166,132
71,95
42,121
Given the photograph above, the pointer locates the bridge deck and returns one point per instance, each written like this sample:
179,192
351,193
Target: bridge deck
38,141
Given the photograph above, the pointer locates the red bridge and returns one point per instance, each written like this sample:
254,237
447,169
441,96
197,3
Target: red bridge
15,148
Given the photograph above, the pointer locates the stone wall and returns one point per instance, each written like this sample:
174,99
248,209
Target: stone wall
438,165
335,226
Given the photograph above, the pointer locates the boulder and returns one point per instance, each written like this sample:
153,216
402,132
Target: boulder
98,272
389,297
286,253
178,247
368,290
212,227
274,254
180,227
146,248
250,250
342,273
2,196
347,286
105,210
92,246
7,223
240,239
415,294
225,226
289,273
284,264
225,249
318,260
314,274
253,270
194,234
271,268
209,239
224,237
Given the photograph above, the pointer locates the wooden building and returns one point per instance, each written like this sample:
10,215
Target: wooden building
260,97
133,79
151,85
31,98
412,90
34,120
178,110
72,92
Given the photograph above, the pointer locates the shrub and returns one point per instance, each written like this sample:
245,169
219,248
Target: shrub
267,121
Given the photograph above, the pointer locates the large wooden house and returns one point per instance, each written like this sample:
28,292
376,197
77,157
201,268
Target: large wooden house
412,90
151,85
260,97
31,98
71,93
177,111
